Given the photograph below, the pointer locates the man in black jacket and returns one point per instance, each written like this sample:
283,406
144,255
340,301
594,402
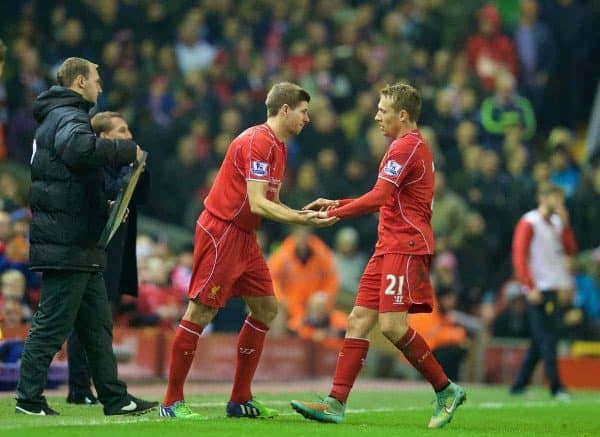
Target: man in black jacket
120,275
70,208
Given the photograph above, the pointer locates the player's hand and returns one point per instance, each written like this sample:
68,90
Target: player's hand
321,205
322,221
534,296
317,219
563,213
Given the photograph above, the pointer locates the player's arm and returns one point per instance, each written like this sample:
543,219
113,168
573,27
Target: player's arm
520,253
366,204
321,204
262,206
278,200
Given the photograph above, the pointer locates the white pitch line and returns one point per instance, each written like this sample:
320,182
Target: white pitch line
99,421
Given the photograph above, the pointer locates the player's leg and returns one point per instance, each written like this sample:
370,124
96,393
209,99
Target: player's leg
183,348
256,288
249,351
549,343
406,287
350,361
214,270
354,350
536,326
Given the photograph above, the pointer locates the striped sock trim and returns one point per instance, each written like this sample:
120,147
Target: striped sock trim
189,330
255,327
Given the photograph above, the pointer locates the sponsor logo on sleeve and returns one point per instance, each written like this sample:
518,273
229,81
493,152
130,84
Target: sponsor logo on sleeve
259,168
392,168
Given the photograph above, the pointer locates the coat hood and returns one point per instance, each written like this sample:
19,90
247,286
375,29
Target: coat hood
56,97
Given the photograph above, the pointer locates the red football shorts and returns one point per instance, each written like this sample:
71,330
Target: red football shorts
227,263
396,282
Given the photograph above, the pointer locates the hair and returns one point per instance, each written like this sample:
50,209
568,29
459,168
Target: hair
404,97
285,93
102,121
71,68
11,275
2,51
548,188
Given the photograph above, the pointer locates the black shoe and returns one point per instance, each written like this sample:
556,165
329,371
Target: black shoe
133,407
82,398
43,410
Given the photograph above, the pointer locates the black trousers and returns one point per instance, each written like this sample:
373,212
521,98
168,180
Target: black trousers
71,300
80,382
544,320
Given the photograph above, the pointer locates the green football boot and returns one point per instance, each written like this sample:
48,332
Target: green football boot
179,410
252,409
328,410
448,400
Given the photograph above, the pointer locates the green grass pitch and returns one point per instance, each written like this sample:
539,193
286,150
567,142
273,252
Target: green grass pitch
488,411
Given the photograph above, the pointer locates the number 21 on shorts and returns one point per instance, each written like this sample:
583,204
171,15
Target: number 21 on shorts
391,289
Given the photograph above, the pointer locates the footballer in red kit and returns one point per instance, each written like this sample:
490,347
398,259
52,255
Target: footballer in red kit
396,280
227,259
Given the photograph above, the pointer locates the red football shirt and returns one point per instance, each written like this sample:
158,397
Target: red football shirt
405,217
255,155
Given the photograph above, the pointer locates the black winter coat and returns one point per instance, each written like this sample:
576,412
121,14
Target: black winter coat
68,200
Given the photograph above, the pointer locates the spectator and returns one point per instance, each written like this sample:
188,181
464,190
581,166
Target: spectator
322,323
158,303
569,23
302,266
193,51
490,52
504,109
564,173
537,58
587,210
350,263
474,268
511,320
445,272
449,213
587,299
173,192
447,340
12,318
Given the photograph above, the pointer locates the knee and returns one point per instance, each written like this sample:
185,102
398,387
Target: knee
393,331
266,311
199,313
359,325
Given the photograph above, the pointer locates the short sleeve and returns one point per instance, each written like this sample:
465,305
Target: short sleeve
258,158
396,164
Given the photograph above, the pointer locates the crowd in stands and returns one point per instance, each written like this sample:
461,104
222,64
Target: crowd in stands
507,89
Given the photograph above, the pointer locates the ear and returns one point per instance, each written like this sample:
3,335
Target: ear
285,109
102,135
403,115
80,81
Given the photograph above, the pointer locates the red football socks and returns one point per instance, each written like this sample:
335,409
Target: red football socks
250,346
182,355
416,350
350,361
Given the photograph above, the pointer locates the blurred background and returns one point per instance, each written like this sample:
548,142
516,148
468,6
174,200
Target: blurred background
511,99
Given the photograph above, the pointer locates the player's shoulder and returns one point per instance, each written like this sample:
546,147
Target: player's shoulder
408,143
532,217
254,135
